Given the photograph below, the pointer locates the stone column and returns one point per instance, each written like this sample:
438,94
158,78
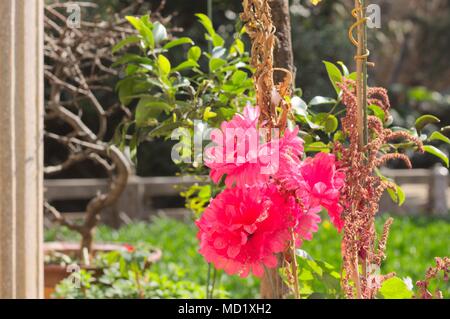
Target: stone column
21,159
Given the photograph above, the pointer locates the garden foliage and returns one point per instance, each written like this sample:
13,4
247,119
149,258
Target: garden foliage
214,86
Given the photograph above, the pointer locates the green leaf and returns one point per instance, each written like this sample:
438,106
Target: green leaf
303,254
401,195
397,195
124,42
239,77
148,37
438,136
334,74
319,277
226,113
218,52
144,30
164,65
299,106
329,122
344,68
133,146
194,53
424,120
446,129
159,32
208,114
164,128
131,58
146,21
352,76
238,47
189,64
301,109
215,64
339,136
206,22
131,69
217,40
317,147
437,152
315,267
177,42
126,89
392,195
135,22
395,288
320,100
378,112
149,108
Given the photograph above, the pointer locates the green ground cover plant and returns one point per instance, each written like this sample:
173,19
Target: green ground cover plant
414,242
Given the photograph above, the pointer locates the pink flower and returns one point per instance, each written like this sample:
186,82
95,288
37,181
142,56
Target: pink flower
289,148
236,152
317,182
307,224
277,196
306,221
334,211
243,157
243,229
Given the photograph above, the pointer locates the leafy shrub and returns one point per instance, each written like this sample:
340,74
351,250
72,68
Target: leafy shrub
127,275
165,94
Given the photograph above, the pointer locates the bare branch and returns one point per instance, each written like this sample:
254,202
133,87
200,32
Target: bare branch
59,218
78,72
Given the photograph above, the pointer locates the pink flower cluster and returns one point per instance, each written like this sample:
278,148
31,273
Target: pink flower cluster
264,206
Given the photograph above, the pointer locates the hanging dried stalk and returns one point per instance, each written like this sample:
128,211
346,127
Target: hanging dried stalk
259,26
257,17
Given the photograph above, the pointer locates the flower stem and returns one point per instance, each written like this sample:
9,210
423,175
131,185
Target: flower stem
361,71
208,280
294,266
365,76
213,283
357,280
361,94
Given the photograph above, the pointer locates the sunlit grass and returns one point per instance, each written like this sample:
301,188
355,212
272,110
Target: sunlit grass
412,246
